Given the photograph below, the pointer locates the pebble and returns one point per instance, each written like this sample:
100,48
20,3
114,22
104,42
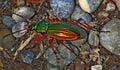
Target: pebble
6,2
115,67
110,7
52,67
26,12
65,56
8,41
62,8
17,27
27,56
8,21
110,36
89,5
80,15
93,38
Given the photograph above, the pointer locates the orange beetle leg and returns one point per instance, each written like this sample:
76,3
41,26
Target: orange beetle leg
70,22
53,20
51,43
53,49
37,38
71,50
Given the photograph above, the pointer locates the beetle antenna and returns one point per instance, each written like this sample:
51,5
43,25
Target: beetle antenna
15,32
27,20
4,28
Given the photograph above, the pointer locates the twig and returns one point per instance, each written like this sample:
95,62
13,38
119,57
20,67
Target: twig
41,51
23,44
106,60
5,54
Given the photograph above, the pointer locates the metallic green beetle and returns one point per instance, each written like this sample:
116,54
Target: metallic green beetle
58,31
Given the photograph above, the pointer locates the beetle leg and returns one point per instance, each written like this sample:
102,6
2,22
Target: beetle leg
71,50
70,22
55,52
27,20
53,49
82,25
37,38
53,20
51,43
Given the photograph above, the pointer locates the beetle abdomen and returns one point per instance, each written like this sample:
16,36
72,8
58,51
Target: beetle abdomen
62,32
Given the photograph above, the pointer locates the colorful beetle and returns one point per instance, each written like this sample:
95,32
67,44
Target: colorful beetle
59,31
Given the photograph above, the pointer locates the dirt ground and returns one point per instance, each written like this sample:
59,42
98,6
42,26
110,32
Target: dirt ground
108,60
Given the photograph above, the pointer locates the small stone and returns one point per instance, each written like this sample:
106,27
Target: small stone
19,29
6,2
27,56
89,5
110,36
62,8
24,11
8,21
93,38
6,41
63,57
110,7
80,15
115,67
96,67
52,67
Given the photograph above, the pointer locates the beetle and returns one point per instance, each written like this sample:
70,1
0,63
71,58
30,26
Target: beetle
57,30
60,31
